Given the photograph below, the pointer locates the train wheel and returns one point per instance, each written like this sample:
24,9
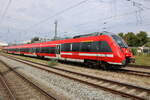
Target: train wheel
105,66
41,57
89,63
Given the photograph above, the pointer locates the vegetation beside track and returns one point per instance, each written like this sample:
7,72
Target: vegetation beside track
32,59
52,63
142,60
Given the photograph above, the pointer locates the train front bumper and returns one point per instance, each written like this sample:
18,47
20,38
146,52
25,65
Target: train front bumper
131,60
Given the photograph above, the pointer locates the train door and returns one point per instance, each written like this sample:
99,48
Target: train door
58,50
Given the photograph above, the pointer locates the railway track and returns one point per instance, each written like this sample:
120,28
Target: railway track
5,91
133,72
127,90
124,71
19,87
139,66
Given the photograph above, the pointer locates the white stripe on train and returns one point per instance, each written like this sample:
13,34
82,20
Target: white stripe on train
79,60
87,54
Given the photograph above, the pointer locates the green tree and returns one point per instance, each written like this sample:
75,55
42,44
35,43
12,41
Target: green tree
148,39
131,39
147,44
142,38
121,35
35,39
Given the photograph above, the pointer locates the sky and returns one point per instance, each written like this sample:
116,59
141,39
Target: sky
21,20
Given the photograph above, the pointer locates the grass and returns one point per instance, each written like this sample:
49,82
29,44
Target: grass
31,59
52,62
142,60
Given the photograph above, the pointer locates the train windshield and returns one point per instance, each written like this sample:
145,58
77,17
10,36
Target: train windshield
120,41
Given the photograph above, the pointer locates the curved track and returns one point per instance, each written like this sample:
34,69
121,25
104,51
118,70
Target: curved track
124,89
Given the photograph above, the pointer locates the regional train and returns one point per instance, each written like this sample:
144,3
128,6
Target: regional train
102,49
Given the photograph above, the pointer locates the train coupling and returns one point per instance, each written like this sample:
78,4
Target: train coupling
132,60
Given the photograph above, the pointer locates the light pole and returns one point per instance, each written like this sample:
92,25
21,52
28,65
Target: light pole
55,30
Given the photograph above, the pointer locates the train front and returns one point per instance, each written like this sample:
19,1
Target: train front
125,52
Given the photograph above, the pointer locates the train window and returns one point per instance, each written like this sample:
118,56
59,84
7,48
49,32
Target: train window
66,47
76,47
26,50
120,41
30,50
34,50
37,50
95,46
104,47
43,50
52,50
47,50
86,46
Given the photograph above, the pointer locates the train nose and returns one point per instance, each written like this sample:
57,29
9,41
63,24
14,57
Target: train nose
129,56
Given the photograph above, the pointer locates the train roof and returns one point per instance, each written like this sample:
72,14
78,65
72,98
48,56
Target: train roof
87,37
93,34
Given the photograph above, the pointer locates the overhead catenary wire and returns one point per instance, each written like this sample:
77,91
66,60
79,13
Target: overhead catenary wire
108,18
111,17
58,13
5,11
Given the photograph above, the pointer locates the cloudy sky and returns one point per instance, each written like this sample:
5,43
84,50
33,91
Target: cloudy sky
21,20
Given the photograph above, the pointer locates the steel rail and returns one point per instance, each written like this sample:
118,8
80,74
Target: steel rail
139,66
133,72
30,82
3,80
89,76
124,71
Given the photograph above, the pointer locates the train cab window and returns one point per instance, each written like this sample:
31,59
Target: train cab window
86,46
66,47
76,47
120,41
104,47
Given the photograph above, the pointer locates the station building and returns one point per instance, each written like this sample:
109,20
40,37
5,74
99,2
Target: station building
2,44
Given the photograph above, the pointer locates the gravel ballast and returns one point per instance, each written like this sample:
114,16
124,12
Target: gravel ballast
69,88
110,75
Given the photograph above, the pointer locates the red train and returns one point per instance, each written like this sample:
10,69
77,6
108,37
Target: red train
97,49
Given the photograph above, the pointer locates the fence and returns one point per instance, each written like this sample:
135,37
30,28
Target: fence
140,50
